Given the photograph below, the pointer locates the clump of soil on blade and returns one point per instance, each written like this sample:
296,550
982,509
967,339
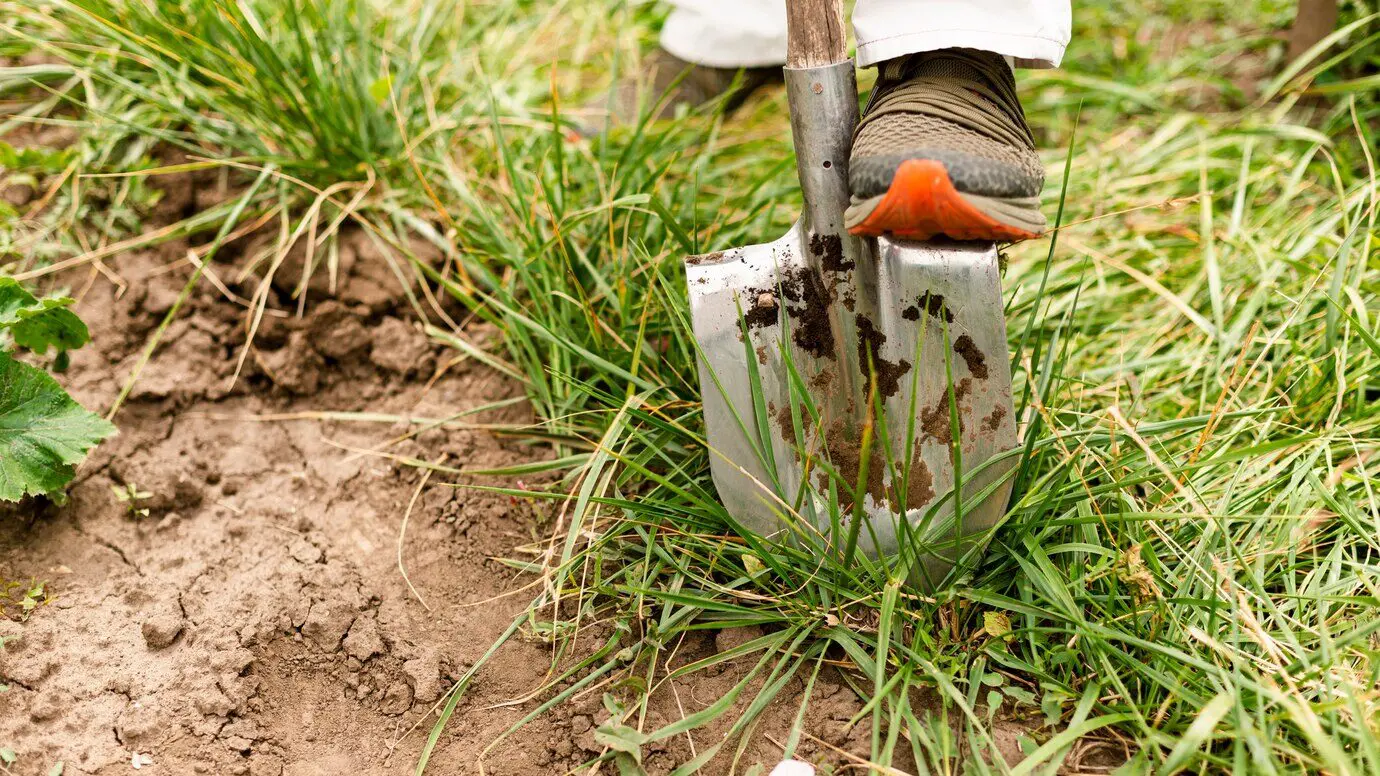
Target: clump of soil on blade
972,357
933,305
993,420
935,420
829,249
807,301
844,446
887,373
920,482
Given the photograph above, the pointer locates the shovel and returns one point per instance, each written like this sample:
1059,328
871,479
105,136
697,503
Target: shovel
857,392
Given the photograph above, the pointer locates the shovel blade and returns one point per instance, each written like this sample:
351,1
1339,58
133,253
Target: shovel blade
795,362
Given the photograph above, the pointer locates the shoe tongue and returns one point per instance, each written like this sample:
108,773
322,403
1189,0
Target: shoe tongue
955,65
945,64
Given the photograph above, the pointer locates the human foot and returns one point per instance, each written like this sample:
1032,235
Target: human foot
943,148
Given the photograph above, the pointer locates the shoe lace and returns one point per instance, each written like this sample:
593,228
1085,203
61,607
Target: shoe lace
949,85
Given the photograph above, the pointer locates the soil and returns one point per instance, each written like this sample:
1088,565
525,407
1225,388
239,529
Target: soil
845,453
933,304
829,248
807,300
994,418
935,421
246,613
972,356
920,486
888,374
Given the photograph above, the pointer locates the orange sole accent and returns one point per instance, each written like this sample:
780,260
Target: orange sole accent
922,203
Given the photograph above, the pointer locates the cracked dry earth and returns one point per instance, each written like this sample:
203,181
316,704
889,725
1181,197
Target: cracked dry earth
255,621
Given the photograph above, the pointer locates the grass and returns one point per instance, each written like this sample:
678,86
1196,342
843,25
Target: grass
1186,573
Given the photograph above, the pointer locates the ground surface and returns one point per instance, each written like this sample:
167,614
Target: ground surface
255,621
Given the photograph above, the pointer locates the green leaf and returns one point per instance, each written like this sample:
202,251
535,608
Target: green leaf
752,565
997,624
628,765
8,756
380,89
43,432
36,159
56,770
1199,732
621,738
37,323
994,701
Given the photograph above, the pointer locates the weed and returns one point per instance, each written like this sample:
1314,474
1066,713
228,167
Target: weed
19,600
44,433
130,495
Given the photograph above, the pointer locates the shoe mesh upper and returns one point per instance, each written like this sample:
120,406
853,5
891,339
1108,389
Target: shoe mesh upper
956,106
900,133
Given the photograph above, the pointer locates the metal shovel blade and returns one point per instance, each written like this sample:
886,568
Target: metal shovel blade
815,342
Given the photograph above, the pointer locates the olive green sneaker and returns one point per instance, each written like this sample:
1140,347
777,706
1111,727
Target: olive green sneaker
943,148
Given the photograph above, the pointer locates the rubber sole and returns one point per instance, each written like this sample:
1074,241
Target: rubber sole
922,203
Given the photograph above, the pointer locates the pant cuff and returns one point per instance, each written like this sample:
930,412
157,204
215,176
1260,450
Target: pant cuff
693,38
1026,50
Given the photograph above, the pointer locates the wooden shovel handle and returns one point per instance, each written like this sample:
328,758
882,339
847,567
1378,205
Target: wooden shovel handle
815,35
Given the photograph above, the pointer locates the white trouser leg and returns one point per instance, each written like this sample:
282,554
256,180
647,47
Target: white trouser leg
751,33
1032,32
727,33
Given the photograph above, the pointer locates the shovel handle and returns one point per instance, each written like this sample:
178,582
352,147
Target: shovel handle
815,35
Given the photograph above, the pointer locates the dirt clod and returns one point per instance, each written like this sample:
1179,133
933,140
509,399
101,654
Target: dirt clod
920,484
935,422
17,195
813,331
968,351
731,638
933,305
822,380
363,641
993,420
425,673
399,348
327,623
397,699
373,277
161,629
888,374
829,249
807,302
337,332
845,453
296,367
762,312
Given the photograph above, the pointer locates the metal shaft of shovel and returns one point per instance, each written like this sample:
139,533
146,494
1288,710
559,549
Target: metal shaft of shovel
802,340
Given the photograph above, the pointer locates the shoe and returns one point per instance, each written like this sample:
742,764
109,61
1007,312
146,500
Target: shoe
675,82
943,149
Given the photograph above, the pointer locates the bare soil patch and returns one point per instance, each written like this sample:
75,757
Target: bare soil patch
254,621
